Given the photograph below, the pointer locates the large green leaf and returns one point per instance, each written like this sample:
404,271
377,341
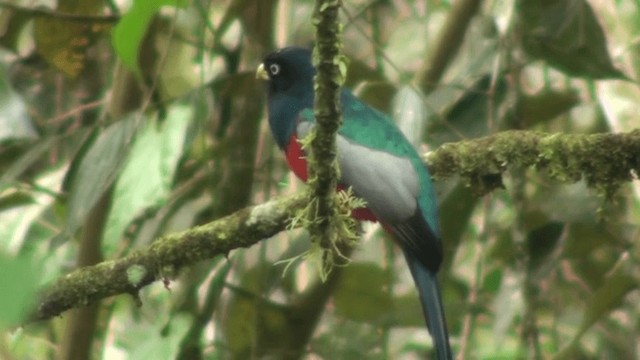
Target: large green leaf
544,106
97,170
22,227
607,298
405,311
19,164
456,208
147,177
361,294
469,116
509,304
15,123
156,340
192,341
567,35
18,282
131,29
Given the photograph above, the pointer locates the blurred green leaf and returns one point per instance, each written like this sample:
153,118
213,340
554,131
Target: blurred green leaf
377,94
147,177
566,203
492,280
257,18
159,345
542,240
400,49
359,71
13,23
18,285
456,208
22,228
131,29
63,43
239,323
608,297
531,110
193,342
97,169
584,238
349,340
361,294
508,304
410,113
14,199
20,163
15,122
468,117
406,311
567,35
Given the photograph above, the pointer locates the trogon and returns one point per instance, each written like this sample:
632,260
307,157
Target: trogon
376,160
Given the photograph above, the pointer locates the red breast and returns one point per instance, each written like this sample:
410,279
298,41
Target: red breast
298,164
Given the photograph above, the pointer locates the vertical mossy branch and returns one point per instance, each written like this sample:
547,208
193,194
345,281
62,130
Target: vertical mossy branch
323,167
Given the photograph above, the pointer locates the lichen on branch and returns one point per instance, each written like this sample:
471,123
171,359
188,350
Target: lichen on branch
604,161
167,256
323,218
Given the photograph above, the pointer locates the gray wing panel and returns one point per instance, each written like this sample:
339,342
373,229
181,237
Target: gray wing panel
388,183
303,128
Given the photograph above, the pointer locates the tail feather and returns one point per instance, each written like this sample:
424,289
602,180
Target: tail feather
431,300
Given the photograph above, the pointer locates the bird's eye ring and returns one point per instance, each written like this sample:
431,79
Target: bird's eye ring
274,69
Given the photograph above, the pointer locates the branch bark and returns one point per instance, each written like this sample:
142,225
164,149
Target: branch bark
167,256
605,161
322,162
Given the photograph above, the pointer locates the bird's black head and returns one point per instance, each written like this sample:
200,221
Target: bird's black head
288,69
289,73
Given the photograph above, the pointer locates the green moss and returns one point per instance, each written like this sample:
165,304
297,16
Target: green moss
604,161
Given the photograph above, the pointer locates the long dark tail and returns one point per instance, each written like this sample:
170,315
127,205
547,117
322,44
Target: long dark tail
431,300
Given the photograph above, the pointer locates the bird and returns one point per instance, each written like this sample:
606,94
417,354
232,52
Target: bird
376,161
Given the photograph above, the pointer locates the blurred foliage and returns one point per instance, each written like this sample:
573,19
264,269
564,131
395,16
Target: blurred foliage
137,118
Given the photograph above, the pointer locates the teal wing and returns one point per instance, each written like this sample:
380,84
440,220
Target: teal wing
374,130
384,169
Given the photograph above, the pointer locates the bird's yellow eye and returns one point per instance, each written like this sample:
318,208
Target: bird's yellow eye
274,69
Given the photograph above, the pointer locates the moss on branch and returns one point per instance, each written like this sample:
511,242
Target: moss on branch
166,256
604,160
323,220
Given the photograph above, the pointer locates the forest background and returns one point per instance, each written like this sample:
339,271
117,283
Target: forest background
123,123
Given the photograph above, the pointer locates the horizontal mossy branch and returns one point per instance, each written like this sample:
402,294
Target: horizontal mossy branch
603,160
167,255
